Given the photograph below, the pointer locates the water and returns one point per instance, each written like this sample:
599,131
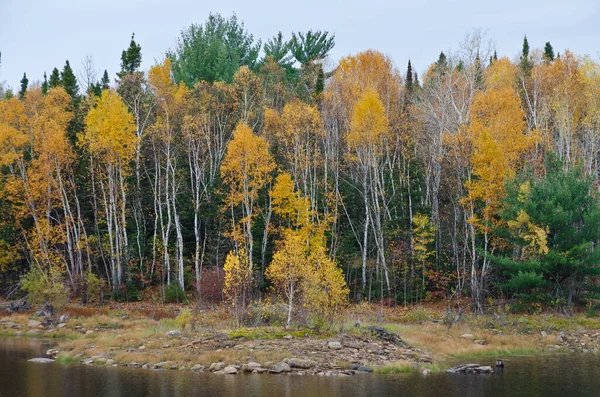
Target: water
547,376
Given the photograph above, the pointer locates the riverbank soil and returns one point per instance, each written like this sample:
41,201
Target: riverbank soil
371,337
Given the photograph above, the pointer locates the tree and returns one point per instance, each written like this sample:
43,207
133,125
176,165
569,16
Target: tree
422,236
548,53
499,142
110,140
24,83
408,81
131,58
311,46
45,85
246,170
68,80
555,223
279,50
54,78
238,279
289,267
105,81
213,51
525,62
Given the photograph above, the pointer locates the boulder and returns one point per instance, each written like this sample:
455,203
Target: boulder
173,333
467,336
251,366
334,345
299,363
480,342
198,368
280,368
230,370
214,367
425,372
33,323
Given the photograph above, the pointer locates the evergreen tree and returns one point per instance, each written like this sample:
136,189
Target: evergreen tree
525,63
24,84
311,46
68,80
45,85
548,53
408,83
320,84
495,56
105,81
131,59
279,49
54,78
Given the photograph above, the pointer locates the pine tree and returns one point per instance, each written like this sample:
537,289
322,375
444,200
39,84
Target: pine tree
45,85
320,84
548,53
68,80
131,59
24,84
54,78
105,81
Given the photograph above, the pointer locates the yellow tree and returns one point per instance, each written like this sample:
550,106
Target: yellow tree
367,140
110,140
499,142
290,266
246,170
423,234
238,279
170,99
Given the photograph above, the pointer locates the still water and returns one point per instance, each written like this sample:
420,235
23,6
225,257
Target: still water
547,376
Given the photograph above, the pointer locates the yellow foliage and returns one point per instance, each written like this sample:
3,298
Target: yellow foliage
238,278
369,123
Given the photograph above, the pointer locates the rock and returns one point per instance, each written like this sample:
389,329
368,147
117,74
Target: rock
33,323
110,361
288,336
230,370
352,345
89,361
89,332
484,369
471,369
480,342
182,368
363,368
61,325
41,360
63,318
280,367
334,345
173,333
133,364
214,367
198,368
544,334
299,363
142,347
467,336
251,366
33,332
425,372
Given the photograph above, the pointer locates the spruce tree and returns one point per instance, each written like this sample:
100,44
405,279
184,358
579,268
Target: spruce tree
24,84
408,84
105,81
320,84
548,53
54,78
45,85
131,59
68,80
525,64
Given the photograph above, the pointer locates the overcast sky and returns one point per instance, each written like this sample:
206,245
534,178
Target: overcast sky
37,35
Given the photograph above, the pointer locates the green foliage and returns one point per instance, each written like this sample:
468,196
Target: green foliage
548,53
68,80
24,84
311,46
184,318
94,287
45,288
213,51
279,49
130,292
131,59
54,78
563,207
174,294
45,85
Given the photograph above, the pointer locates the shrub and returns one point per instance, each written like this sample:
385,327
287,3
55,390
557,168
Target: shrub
94,287
45,288
185,318
174,294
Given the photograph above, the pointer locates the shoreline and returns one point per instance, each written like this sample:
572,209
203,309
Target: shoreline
138,341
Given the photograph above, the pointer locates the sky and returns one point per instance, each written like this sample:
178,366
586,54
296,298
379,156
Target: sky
38,35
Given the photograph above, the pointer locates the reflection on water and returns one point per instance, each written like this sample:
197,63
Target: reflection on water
548,376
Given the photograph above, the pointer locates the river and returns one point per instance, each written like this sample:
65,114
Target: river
547,376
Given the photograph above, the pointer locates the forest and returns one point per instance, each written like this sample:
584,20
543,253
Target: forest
241,171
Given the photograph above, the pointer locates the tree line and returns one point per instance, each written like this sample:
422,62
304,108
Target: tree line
257,164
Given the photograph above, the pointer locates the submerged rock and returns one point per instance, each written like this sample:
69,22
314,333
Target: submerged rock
471,369
41,360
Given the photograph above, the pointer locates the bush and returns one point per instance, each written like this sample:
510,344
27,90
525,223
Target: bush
174,294
130,292
94,287
45,288
185,318
266,313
